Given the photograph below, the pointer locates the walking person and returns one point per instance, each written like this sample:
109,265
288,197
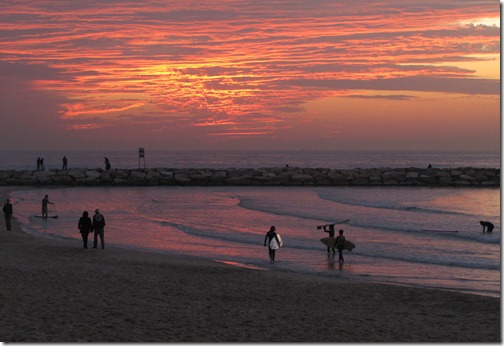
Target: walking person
331,235
99,229
269,237
7,209
45,203
85,227
340,244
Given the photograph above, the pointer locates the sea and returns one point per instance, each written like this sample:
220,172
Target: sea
427,237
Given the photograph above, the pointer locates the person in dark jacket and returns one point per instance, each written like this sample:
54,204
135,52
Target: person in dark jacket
99,229
340,244
85,226
7,209
269,236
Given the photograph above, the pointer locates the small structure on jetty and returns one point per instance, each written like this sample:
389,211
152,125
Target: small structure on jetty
287,176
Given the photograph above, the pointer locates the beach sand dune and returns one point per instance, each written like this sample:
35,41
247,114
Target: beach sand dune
56,291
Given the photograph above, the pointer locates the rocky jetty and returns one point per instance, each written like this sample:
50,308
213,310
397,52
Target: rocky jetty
465,176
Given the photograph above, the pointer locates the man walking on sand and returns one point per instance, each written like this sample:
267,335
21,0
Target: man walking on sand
7,209
99,229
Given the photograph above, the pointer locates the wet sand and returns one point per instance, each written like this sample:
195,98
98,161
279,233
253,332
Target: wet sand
56,291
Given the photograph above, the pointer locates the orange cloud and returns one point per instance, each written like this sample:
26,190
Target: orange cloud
230,63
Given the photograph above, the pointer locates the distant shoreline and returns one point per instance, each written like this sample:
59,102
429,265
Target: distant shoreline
286,176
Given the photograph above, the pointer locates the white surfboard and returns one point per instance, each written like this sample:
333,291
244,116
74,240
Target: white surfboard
274,244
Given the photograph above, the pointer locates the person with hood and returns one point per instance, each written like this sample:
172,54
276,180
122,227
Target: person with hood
99,229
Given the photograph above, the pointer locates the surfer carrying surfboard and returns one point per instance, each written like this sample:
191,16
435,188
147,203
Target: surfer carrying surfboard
274,242
331,235
340,244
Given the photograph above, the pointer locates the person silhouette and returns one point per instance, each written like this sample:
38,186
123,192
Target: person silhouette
45,203
107,164
340,244
269,236
488,225
85,226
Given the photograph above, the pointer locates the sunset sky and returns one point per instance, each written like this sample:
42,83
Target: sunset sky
228,74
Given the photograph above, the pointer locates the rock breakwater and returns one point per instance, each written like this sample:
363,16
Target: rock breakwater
465,176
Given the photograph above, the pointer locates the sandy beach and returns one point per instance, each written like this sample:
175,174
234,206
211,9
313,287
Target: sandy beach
56,291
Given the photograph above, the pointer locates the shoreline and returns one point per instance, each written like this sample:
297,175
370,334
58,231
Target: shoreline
55,291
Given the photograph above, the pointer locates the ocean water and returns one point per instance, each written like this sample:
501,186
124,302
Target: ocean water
128,159
228,224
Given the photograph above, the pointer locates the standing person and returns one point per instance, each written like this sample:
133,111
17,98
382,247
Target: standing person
269,236
85,226
340,244
99,228
42,167
331,235
45,203
107,164
7,209
65,162
489,226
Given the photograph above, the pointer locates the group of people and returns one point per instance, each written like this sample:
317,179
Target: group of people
40,164
338,244
87,226
64,167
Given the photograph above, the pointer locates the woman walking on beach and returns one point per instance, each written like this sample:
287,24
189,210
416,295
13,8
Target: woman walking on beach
269,237
85,226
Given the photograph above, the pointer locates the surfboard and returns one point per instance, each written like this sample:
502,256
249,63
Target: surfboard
274,244
334,223
438,230
331,242
49,217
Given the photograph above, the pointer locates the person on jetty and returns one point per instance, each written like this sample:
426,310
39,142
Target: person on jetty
99,228
7,209
85,226
269,236
331,235
488,225
340,244
65,162
107,164
45,203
